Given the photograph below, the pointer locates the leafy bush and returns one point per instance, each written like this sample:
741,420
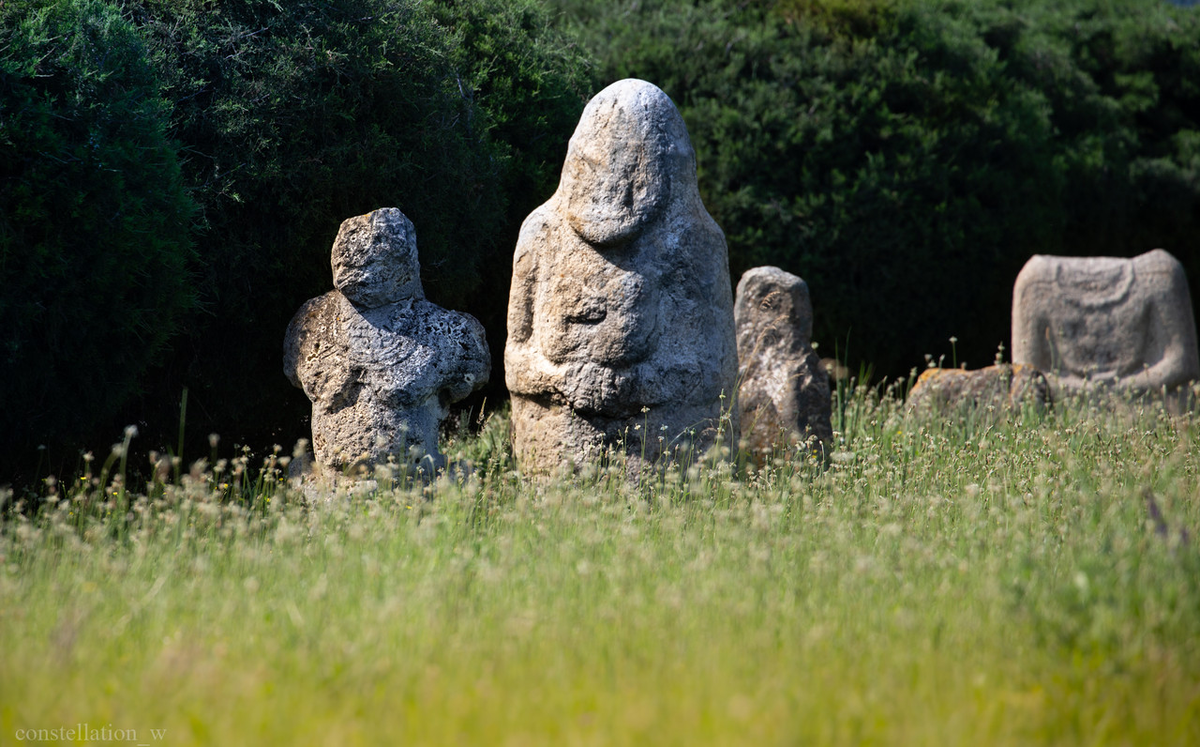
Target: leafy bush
530,83
907,156
296,116
292,118
94,217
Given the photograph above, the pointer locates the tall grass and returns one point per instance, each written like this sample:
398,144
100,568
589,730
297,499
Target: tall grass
1013,578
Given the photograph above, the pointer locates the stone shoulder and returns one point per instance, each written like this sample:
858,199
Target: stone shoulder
1158,262
314,315
1039,269
537,223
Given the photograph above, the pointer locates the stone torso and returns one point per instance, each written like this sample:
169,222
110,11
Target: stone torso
1105,320
382,379
381,364
597,306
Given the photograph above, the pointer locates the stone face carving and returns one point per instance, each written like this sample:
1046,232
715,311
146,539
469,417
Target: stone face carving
1003,388
379,362
1103,320
620,318
783,395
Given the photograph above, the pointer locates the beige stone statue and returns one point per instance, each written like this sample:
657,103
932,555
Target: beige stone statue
783,395
1109,322
620,318
380,363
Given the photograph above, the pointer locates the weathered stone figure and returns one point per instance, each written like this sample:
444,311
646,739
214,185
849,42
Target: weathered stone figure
379,362
1103,320
620,317
994,390
783,397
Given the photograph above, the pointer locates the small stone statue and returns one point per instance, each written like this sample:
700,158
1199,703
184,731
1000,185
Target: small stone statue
1122,323
379,362
987,393
620,316
784,396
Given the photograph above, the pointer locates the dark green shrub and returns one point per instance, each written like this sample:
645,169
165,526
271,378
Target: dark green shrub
529,82
295,116
907,156
94,218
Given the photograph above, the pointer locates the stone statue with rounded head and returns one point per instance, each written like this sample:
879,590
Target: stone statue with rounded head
1091,322
783,394
620,315
380,363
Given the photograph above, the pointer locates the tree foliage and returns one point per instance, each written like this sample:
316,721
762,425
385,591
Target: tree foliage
94,218
296,116
530,83
249,129
907,156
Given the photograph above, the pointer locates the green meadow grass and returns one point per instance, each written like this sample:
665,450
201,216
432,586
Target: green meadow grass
1000,579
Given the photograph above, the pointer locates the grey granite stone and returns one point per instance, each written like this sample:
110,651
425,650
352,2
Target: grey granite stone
620,317
381,364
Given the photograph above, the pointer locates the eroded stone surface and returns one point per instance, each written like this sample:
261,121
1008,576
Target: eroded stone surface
381,364
375,261
1121,323
620,318
993,390
783,395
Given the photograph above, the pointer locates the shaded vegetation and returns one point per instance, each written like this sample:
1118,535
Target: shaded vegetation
906,157
95,249
288,118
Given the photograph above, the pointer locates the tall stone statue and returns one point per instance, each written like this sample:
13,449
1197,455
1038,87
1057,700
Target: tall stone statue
620,316
1091,321
784,396
379,362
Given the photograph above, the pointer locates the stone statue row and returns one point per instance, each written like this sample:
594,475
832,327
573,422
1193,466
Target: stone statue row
1083,326
623,335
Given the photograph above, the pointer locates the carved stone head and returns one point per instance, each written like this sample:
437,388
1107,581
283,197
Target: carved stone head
629,156
375,259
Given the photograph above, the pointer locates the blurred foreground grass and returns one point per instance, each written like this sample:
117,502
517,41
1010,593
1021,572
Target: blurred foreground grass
1024,579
